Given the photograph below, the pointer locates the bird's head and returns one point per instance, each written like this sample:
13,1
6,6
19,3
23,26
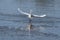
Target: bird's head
31,12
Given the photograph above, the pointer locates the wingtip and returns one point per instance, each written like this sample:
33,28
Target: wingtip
44,14
18,8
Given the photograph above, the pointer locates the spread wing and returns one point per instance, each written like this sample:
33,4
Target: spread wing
29,14
40,15
23,12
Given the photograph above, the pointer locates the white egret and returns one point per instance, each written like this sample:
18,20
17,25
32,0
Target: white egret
30,17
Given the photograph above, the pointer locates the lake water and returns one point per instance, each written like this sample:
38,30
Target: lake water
11,21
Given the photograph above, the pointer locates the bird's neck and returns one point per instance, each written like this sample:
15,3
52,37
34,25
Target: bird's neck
30,16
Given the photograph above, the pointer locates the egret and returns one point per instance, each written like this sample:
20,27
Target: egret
30,16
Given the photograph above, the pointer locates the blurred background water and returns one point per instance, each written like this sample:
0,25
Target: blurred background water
11,21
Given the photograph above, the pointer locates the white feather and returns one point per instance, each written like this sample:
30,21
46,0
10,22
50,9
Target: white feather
39,15
30,15
23,12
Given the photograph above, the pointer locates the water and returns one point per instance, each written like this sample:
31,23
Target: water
13,23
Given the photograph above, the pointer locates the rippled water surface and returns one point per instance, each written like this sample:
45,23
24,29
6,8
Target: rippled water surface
13,24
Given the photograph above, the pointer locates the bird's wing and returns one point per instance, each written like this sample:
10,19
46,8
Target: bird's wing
23,12
40,15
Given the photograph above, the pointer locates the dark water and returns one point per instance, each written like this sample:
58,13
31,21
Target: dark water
11,21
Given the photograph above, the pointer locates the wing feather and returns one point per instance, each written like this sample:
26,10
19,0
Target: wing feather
40,15
23,12
32,15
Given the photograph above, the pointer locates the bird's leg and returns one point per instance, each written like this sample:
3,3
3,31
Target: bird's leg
30,24
30,21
